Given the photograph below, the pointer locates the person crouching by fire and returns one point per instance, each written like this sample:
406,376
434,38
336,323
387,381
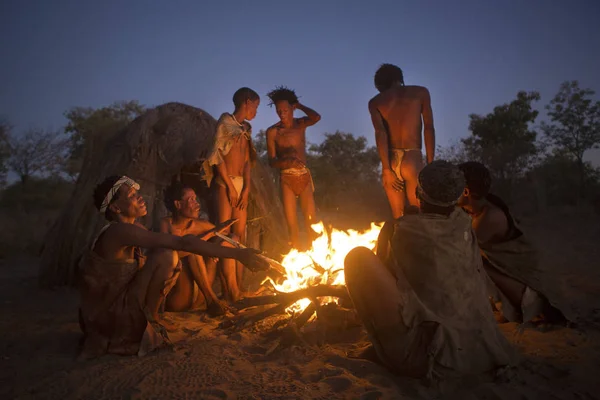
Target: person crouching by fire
431,315
120,289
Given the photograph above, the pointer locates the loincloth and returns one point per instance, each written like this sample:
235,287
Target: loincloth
297,179
238,183
397,158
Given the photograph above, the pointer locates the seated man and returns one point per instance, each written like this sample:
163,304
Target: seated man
509,259
121,290
182,202
430,315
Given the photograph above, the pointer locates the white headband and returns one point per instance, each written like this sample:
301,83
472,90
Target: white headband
111,193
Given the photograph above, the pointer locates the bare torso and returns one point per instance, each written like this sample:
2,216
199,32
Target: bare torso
290,142
490,225
238,155
110,249
401,108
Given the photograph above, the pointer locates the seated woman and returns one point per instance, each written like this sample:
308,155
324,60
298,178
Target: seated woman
509,258
182,202
425,307
120,289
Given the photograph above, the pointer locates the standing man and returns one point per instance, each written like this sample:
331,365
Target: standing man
286,147
232,156
396,114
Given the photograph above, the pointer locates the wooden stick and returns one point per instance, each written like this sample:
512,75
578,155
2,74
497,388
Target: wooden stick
292,297
246,320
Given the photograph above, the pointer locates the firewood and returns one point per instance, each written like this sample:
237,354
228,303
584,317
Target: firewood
292,297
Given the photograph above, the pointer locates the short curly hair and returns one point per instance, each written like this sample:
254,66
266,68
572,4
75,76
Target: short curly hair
387,75
172,193
282,93
478,177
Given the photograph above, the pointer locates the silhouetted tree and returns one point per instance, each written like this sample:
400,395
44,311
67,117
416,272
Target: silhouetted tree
36,152
575,125
503,139
85,122
346,174
260,144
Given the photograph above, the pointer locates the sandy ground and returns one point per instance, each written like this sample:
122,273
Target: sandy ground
39,334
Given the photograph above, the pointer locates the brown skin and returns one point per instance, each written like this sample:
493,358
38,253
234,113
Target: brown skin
195,268
118,242
237,163
396,114
286,148
367,273
491,225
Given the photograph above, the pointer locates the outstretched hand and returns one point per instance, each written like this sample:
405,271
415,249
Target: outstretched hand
391,181
251,258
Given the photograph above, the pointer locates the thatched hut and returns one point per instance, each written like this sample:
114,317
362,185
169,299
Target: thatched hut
165,143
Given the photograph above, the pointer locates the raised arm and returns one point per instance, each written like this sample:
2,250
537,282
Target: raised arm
283,163
428,129
312,117
131,235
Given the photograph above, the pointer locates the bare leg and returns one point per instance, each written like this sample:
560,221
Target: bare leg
211,269
198,269
289,207
397,200
157,277
230,288
412,164
366,275
180,298
239,230
307,204
511,288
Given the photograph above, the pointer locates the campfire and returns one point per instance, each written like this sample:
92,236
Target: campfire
323,263
313,282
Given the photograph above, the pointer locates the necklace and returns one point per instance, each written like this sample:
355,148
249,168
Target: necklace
235,119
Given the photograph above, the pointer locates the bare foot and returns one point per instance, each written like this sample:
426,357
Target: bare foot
216,309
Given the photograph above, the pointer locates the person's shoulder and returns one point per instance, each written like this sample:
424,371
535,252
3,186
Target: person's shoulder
421,90
273,128
376,101
202,224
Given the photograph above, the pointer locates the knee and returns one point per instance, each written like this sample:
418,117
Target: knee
356,261
167,259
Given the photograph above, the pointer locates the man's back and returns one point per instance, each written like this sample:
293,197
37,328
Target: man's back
401,108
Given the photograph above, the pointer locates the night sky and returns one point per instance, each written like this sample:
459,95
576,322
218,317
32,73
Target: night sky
472,55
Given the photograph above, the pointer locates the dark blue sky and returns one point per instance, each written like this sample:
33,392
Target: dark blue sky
472,55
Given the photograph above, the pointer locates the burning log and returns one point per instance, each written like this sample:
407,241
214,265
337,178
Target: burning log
281,302
290,298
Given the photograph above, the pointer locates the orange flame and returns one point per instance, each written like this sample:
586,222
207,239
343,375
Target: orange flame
323,263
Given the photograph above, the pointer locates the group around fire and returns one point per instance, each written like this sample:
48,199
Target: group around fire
450,266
